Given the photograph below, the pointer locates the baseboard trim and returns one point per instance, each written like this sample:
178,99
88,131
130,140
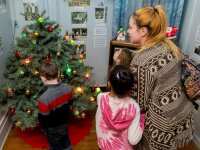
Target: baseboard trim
7,124
196,140
4,115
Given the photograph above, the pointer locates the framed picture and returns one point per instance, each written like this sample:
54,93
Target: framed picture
2,6
101,15
79,17
79,3
79,33
30,11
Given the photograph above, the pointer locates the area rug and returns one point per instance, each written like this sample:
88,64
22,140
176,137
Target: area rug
78,129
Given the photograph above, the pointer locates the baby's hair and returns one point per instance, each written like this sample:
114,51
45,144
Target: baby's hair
49,70
121,80
125,57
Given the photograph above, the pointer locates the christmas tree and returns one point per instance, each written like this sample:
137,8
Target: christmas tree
41,41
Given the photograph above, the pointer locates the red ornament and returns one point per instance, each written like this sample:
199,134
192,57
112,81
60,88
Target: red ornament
17,53
47,59
11,111
72,57
50,29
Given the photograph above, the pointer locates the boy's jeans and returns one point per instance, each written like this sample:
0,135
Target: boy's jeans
58,138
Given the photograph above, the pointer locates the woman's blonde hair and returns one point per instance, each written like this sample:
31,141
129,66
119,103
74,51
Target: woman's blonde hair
155,20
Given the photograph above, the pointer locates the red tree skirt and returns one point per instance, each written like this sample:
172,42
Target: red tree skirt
78,129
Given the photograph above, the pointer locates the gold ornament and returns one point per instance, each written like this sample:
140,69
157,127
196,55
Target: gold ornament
58,54
36,72
82,115
28,91
67,38
17,124
28,112
79,90
36,34
62,76
74,72
91,99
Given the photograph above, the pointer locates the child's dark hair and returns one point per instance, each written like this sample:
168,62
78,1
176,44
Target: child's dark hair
49,70
121,80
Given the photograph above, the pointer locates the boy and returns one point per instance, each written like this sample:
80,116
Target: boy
53,107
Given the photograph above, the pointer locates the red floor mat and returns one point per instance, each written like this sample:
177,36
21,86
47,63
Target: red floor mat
78,129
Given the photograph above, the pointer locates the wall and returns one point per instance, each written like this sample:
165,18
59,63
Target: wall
6,33
187,35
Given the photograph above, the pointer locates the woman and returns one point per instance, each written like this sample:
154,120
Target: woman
157,70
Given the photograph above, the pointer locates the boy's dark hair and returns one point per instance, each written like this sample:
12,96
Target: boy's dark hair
121,80
49,70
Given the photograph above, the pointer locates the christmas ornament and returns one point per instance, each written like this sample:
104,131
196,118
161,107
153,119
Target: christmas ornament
21,72
71,57
33,41
97,90
10,90
34,96
67,33
81,56
76,112
18,124
28,112
62,76
68,71
74,72
27,60
91,99
67,38
50,29
36,73
58,54
59,29
24,34
40,20
28,92
80,61
17,53
47,59
87,74
71,42
11,111
82,115
36,34
78,90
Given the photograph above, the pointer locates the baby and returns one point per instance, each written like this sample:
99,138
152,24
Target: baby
123,57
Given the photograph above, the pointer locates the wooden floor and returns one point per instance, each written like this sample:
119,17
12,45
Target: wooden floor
13,142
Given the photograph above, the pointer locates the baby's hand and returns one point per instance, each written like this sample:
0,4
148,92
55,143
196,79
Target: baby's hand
116,55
